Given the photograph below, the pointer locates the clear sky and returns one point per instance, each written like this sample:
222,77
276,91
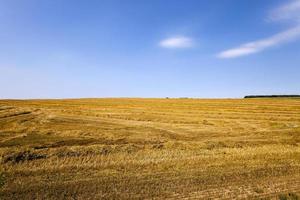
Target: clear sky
149,48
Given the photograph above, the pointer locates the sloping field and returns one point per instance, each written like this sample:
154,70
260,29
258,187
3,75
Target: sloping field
150,149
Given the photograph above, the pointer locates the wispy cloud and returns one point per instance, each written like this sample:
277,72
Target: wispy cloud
176,42
290,12
260,45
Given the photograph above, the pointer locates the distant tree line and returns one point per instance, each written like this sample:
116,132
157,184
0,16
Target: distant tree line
271,96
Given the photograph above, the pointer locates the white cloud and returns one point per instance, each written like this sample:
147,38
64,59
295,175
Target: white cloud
260,45
176,42
290,12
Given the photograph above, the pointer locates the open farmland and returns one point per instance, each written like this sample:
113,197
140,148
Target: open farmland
150,148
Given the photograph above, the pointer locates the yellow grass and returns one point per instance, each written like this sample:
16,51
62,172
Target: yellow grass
150,148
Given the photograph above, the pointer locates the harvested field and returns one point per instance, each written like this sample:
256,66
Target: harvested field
150,149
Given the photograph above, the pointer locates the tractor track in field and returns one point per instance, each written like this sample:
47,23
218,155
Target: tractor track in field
258,190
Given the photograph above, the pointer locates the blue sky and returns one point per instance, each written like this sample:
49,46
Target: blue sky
149,48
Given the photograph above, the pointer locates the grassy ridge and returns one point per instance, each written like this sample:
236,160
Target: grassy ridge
149,148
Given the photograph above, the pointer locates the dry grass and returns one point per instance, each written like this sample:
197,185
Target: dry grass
150,148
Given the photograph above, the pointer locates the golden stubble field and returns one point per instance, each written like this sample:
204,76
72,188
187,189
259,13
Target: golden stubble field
150,149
